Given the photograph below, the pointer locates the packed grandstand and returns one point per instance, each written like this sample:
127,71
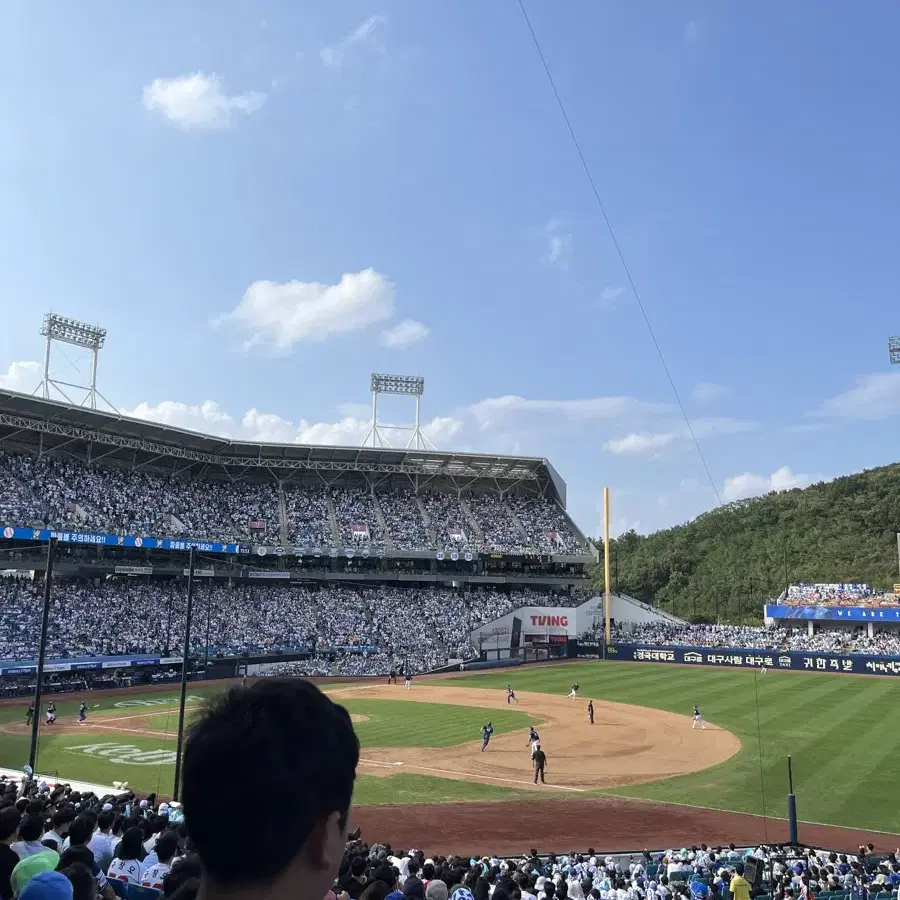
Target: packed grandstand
62,493
342,561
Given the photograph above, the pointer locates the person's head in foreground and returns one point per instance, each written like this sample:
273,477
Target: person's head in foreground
296,754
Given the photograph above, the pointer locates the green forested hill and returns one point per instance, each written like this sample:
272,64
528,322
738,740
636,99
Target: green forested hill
727,562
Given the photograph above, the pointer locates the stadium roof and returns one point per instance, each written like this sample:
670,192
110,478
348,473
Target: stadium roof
37,425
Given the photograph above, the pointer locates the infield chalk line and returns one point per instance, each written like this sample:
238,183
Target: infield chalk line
491,778
150,712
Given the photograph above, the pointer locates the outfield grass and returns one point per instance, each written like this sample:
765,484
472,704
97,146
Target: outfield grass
842,733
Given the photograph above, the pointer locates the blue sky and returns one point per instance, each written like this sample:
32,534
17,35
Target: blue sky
266,203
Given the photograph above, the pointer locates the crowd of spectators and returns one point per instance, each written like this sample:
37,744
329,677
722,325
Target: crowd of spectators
838,595
366,626
354,511
746,637
64,493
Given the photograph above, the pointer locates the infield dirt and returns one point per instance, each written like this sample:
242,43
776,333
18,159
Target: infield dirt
626,745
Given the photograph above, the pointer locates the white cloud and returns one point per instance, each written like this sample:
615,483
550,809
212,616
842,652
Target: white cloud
559,244
284,314
639,443
692,32
609,296
707,392
404,333
210,418
198,101
874,397
493,410
739,487
333,57
644,443
23,377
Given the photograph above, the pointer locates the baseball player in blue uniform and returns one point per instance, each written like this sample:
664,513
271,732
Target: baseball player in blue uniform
591,711
82,712
486,732
698,719
574,692
511,695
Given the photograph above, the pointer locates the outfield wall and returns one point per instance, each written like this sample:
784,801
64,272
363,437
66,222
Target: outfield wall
739,658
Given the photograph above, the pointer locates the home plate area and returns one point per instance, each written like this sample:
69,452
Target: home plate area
626,745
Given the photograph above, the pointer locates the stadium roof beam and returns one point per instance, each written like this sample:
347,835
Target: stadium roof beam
63,330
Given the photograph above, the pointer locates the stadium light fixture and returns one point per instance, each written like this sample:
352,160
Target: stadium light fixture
71,331
413,385
894,349
63,330
405,385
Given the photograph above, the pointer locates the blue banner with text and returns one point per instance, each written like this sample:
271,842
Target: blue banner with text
834,613
736,657
15,533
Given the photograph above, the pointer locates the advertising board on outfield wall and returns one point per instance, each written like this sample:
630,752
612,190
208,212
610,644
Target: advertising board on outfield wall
834,613
735,657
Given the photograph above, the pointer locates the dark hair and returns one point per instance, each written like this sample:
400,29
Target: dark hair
77,855
106,819
80,831
187,890
83,885
31,828
62,817
184,871
9,822
166,846
303,742
131,845
375,890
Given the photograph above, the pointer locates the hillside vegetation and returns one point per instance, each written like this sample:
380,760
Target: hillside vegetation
725,564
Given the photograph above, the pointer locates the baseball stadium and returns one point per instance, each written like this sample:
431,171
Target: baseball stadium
448,603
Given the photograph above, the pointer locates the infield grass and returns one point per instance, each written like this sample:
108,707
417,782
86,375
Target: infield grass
91,755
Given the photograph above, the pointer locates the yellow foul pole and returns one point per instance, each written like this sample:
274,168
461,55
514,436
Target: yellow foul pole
606,561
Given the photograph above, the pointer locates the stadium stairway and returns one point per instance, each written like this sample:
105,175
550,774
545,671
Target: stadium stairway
379,517
432,534
518,523
282,516
471,520
332,520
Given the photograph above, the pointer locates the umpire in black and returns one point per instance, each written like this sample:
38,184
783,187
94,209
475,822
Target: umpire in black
539,758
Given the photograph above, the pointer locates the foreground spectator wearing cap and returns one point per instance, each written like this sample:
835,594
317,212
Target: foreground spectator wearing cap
301,750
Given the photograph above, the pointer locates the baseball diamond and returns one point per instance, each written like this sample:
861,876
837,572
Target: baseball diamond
422,746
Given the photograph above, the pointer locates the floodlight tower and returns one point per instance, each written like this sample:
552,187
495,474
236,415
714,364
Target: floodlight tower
406,385
63,330
894,349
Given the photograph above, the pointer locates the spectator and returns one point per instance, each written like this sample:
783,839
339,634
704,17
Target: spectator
305,744
9,859
47,886
127,865
166,848
83,884
31,831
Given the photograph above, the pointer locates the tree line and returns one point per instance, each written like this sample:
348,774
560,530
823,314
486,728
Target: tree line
727,563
